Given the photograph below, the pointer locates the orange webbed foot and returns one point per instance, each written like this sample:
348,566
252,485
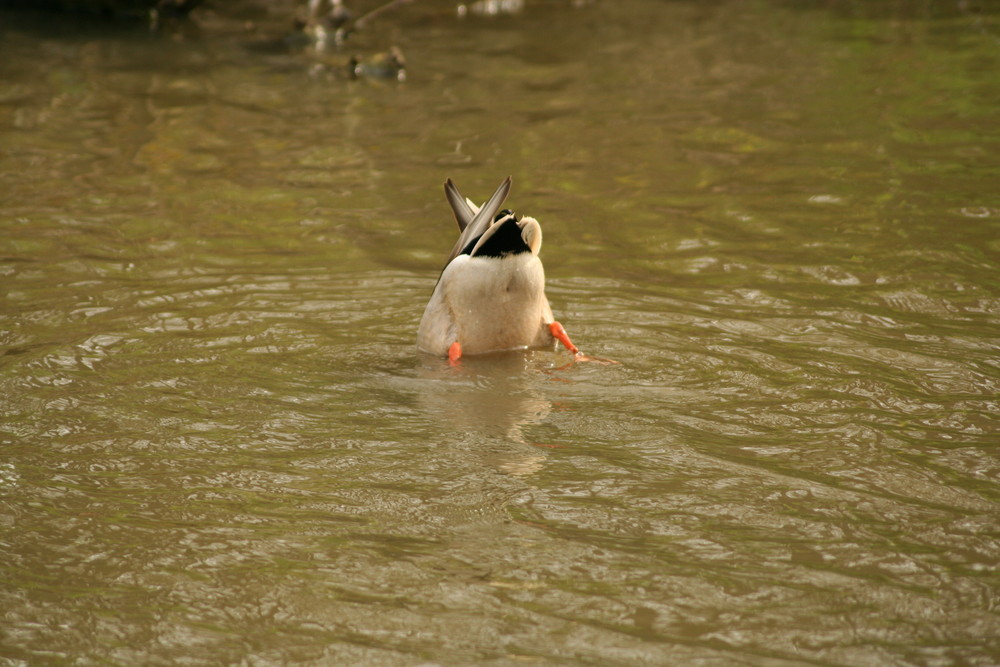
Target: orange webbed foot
597,360
454,353
559,333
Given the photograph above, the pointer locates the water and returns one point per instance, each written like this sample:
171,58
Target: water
219,444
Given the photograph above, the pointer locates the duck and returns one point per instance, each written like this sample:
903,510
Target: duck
388,65
490,296
330,27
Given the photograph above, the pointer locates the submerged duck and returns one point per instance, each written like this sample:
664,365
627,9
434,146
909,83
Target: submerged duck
491,294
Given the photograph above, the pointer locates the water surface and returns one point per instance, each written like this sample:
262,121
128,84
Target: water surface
218,443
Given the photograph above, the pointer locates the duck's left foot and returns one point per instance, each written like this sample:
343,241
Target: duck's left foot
454,353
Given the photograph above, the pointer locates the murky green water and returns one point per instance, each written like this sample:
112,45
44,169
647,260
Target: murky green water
219,444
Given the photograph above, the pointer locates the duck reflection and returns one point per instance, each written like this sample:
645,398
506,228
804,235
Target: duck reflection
492,397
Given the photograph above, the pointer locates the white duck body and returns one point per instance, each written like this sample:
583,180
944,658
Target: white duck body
487,304
487,300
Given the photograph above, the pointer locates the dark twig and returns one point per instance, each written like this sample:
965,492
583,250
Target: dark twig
375,13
